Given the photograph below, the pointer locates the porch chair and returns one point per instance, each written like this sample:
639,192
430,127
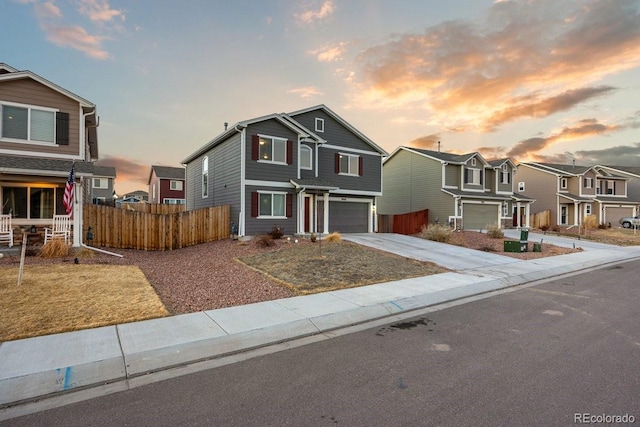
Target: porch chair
61,229
6,231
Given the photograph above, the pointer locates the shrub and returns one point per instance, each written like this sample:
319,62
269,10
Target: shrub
544,227
334,237
590,222
276,232
555,228
265,241
55,249
494,231
437,233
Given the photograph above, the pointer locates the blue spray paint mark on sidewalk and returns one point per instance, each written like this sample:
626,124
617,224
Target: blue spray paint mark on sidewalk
67,378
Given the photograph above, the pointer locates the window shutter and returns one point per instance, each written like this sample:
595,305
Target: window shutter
360,165
508,177
254,204
289,205
466,176
255,147
289,152
481,175
337,162
62,128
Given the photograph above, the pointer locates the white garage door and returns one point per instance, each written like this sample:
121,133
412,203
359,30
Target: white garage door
348,217
612,215
477,217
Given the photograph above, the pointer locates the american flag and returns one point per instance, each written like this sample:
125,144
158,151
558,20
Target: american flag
67,199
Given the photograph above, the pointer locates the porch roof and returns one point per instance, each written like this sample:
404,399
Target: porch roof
476,195
28,165
313,184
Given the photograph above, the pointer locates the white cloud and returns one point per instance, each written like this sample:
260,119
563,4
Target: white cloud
308,17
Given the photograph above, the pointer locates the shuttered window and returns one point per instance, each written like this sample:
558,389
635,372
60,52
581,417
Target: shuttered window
29,124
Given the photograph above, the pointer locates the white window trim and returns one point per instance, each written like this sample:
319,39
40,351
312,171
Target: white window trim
310,150
273,139
319,125
100,180
589,182
29,108
505,209
205,172
473,161
587,209
504,177
272,193
175,181
475,176
564,182
521,186
173,201
350,173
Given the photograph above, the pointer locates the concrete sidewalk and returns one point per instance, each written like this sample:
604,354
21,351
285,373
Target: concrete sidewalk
40,367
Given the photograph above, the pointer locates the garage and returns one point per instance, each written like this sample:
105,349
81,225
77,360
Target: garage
478,216
349,217
612,215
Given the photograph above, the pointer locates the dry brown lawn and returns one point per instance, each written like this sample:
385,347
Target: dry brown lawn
62,298
613,236
323,267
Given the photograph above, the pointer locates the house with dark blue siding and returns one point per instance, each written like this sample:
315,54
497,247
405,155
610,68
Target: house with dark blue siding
308,171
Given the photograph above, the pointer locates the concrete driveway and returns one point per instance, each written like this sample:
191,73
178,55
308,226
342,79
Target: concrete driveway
445,255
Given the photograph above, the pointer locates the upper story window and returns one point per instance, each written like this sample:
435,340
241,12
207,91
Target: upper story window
306,157
472,176
205,177
273,150
505,176
611,186
521,186
563,183
348,164
319,124
473,161
102,183
176,185
28,123
588,182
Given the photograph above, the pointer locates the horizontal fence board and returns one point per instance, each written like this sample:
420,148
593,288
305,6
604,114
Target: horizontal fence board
132,229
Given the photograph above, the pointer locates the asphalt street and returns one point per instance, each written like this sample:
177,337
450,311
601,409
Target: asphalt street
537,355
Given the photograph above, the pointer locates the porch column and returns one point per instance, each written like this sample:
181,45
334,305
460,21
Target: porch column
325,228
300,216
78,200
576,214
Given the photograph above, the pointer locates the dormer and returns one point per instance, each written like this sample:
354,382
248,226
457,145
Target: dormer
473,172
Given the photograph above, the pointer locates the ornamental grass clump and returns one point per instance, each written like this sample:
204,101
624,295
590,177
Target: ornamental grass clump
55,249
334,237
494,231
437,233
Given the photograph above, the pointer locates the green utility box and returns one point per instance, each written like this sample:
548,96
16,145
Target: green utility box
537,247
514,246
524,235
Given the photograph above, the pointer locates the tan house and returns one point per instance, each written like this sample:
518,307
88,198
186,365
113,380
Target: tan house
573,192
44,130
463,190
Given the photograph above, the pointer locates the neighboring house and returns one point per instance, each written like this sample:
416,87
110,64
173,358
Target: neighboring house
306,171
462,190
632,173
572,192
167,185
44,130
138,196
102,191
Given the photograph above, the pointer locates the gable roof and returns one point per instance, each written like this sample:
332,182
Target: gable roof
167,172
631,170
559,169
288,120
108,171
456,159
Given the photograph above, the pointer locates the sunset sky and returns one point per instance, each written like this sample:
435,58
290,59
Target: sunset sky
536,80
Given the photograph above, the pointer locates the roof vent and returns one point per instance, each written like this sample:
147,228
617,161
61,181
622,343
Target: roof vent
226,125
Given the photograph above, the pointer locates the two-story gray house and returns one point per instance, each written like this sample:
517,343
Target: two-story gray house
462,190
572,192
101,191
305,171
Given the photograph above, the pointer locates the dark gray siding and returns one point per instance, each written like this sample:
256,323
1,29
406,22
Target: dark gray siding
265,171
224,178
334,132
371,179
259,226
452,175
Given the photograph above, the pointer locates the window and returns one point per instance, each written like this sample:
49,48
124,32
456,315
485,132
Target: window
521,186
348,164
611,186
169,201
473,176
563,183
35,202
306,157
505,209
588,183
272,205
175,185
587,209
505,177
205,177
273,150
319,124
473,161
102,183
28,124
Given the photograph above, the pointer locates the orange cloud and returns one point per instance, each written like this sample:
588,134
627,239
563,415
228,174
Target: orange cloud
528,59
77,38
426,142
305,92
329,53
128,171
98,10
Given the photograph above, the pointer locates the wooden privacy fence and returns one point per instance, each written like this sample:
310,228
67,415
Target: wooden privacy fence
126,229
154,208
409,223
541,219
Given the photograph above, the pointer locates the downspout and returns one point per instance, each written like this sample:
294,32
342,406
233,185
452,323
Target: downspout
78,221
243,149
